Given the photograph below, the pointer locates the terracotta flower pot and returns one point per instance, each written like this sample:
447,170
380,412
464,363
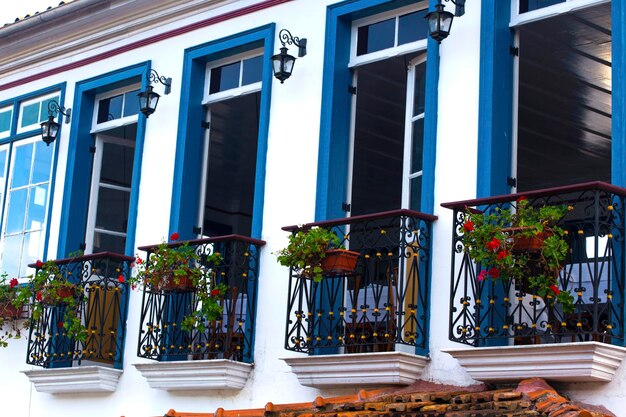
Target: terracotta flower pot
167,282
339,261
523,243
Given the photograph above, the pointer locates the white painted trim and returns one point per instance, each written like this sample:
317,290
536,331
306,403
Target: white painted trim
518,19
74,380
562,362
358,369
213,374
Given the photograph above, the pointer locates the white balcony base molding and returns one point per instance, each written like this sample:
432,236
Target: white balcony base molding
74,380
357,369
563,362
211,374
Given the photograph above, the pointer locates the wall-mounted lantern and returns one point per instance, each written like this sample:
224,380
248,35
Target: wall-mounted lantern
50,128
282,63
148,99
440,20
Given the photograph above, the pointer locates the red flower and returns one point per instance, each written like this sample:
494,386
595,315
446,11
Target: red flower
38,296
139,260
174,236
494,272
133,286
555,289
468,226
493,244
120,278
60,325
521,198
502,254
215,292
482,275
38,264
13,283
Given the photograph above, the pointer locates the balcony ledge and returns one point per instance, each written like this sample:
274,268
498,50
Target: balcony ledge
563,362
212,374
74,380
358,369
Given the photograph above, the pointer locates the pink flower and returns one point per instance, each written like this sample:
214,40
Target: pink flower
120,278
555,289
13,283
468,226
482,275
174,236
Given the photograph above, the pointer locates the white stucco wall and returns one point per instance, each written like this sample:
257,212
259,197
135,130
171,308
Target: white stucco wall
289,199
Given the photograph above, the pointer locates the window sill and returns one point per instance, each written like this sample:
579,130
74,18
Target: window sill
359,369
564,362
73,380
210,374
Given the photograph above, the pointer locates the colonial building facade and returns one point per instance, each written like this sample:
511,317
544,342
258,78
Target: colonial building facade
380,133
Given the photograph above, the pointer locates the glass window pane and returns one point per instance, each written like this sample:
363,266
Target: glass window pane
131,103
103,242
11,255
31,251
412,27
529,5
224,77
117,165
375,37
252,70
112,211
17,210
415,202
43,162
110,108
37,207
419,90
21,165
30,114
5,120
44,112
417,145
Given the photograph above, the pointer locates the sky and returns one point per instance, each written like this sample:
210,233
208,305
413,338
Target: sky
19,8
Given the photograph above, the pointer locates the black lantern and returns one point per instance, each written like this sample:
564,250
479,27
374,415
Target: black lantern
50,128
282,63
440,21
148,99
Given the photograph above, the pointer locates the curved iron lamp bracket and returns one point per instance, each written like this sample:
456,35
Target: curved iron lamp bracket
154,76
286,38
54,108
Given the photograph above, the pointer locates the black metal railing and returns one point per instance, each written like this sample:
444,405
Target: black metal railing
231,335
101,300
383,302
500,311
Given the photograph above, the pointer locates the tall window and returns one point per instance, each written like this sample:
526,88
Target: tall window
25,176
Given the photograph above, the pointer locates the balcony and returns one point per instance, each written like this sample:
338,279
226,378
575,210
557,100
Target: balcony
364,325
101,298
505,321
218,354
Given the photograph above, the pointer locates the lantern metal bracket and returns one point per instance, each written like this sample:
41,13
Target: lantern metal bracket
459,10
54,107
286,38
154,76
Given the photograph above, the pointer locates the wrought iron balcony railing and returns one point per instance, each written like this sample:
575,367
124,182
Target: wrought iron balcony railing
383,302
500,311
101,298
231,336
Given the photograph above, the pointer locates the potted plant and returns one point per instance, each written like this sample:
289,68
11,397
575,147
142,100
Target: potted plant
525,245
177,266
315,252
11,308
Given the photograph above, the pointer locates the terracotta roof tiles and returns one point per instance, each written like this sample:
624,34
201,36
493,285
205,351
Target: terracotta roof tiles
19,19
532,397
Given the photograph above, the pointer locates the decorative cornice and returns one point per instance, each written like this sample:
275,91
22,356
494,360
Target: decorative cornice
358,369
212,374
73,380
568,362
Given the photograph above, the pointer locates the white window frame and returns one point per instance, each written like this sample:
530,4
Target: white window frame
518,18
122,121
9,178
95,187
388,52
231,92
40,99
11,109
